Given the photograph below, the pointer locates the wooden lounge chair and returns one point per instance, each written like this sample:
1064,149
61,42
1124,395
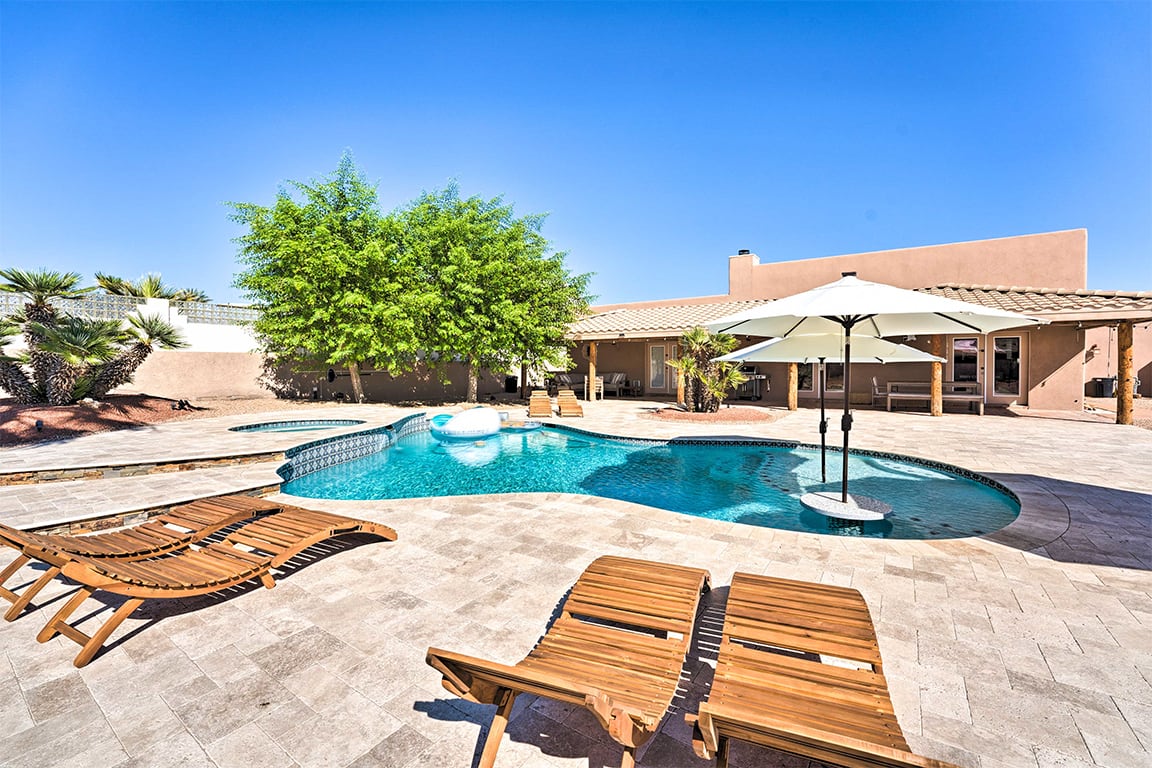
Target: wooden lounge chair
616,649
249,552
774,685
539,405
568,404
165,533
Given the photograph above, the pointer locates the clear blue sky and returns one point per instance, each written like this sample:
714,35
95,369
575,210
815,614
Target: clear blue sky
659,137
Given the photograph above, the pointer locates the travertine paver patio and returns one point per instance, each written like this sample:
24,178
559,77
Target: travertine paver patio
1031,648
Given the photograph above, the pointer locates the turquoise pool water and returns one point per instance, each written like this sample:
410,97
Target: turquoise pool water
750,484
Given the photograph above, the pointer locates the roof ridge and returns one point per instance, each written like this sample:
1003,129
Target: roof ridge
1043,291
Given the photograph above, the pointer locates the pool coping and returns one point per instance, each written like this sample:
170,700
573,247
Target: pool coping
1033,527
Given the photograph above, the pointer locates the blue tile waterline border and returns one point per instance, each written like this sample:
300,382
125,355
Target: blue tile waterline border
330,451
264,425
321,454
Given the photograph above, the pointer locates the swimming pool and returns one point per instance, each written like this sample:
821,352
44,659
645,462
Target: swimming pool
744,482
305,425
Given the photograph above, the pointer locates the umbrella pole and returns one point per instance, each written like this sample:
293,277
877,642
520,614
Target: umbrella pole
823,425
846,421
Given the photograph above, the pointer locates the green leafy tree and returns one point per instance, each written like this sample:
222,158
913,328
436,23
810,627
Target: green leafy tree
39,288
494,293
328,279
150,286
706,381
144,335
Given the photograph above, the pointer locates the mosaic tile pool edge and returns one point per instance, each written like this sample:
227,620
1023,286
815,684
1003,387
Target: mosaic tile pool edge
321,454
297,423
329,451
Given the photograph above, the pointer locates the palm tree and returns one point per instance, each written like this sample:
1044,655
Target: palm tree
150,286
146,333
75,346
13,380
39,288
706,381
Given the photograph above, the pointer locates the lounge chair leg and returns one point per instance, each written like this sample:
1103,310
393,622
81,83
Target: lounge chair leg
722,752
96,642
629,758
55,624
21,601
496,730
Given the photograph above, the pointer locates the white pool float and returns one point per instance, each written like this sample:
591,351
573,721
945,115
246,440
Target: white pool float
475,424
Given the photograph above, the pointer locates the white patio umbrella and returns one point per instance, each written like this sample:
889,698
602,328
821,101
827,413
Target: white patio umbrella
875,309
827,347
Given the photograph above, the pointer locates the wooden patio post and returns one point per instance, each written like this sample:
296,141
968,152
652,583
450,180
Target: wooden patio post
936,407
590,384
793,386
1124,380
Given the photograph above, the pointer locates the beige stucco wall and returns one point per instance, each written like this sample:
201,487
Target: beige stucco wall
1048,260
1100,355
379,387
186,375
190,375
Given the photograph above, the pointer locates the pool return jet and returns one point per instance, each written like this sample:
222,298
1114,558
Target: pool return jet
872,309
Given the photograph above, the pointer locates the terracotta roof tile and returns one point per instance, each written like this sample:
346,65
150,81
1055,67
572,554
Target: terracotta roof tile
669,319
1029,300
672,318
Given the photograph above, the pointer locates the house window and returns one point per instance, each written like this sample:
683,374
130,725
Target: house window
835,377
806,380
1006,352
656,369
965,360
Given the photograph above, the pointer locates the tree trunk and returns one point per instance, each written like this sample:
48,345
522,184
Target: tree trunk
15,382
357,385
473,382
40,362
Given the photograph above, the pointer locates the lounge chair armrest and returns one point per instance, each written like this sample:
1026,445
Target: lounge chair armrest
780,732
626,725
705,741
481,680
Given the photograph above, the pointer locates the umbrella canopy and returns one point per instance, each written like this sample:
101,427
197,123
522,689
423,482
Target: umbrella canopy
829,347
875,309
871,309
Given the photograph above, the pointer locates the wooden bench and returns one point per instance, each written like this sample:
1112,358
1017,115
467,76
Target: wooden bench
917,390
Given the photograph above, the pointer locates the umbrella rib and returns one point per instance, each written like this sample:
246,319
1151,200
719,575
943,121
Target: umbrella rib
958,322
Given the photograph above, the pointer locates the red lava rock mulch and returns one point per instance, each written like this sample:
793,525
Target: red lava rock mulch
738,415
18,422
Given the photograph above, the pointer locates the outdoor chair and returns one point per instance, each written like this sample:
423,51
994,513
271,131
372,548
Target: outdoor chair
879,393
539,405
615,384
799,671
165,533
568,404
616,649
249,552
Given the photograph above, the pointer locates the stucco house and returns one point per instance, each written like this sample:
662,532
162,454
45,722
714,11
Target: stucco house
1050,367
